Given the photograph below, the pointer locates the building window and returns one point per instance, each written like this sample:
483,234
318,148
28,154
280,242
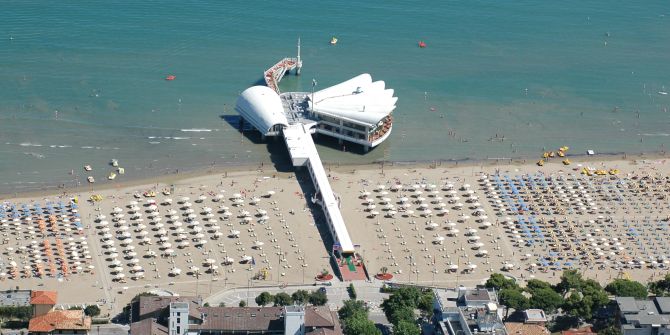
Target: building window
178,330
178,320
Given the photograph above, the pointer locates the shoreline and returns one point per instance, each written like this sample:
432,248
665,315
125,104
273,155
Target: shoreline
252,168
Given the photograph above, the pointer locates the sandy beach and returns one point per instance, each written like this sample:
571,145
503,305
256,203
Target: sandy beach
439,224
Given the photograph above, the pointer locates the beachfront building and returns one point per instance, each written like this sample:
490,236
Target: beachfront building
15,298
46,320
467,311
534,321
186,316
644,316
356,111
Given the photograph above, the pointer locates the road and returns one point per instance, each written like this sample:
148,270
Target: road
337,294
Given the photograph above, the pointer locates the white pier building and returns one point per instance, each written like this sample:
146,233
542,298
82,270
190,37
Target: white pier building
358,110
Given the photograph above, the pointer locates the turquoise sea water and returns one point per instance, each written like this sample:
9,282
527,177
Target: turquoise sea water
83,81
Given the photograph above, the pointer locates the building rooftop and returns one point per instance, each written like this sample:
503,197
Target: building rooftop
15,298
358,99
43,297
663,304
520,328
241,318
535,315
579,331
60,320
643,312
319,316
148,327
151,304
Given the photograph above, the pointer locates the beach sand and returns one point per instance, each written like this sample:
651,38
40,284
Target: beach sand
293,250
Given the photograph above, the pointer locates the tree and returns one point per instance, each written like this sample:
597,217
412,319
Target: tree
570,279
283,299
426,303
513,299
92,310
300,297
535,284
406,328
358,324
75,308
404,313
318,298
264,298
351,308
661,287
222,304
586,296
16,312
546,299
352,291
610,330
242,303
499,282
627,288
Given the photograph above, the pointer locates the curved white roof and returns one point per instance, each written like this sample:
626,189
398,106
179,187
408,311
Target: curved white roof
358,98
262,107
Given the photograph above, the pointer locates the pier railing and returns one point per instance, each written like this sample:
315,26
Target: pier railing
274,74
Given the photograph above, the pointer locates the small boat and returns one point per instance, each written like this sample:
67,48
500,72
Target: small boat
333,40
121,170
111,176
662,92
87,168
422,44
561,153
114,163
566,162
90,179
540,162
170,77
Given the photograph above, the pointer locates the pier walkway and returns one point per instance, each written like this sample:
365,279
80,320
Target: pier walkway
303,152
274,74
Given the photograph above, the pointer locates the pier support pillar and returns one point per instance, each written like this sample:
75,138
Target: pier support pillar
366,148
339,141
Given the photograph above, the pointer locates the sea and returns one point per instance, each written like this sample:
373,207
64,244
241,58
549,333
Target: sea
83,82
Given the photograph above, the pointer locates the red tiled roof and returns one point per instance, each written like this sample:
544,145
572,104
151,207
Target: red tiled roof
60,320
579,331
43,297
518,328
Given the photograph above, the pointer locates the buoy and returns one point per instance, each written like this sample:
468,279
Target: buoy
170,77
422,44
333,40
